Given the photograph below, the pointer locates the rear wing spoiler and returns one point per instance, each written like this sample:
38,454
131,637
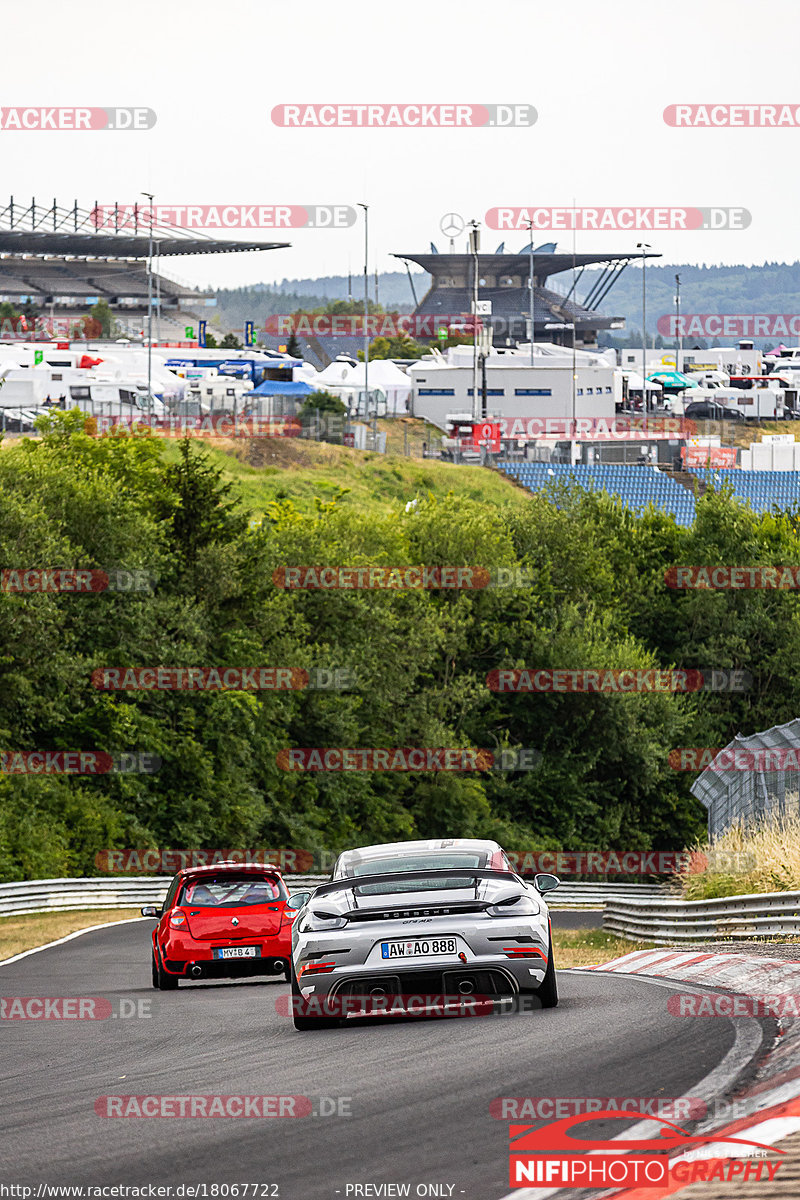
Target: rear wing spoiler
356,881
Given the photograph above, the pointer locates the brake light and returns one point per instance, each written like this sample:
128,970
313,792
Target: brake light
177,918
523,952
316,968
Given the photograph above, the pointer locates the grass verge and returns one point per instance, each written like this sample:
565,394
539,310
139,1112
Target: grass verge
585,947
35,929
764,857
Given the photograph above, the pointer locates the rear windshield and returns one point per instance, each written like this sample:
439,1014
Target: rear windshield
437,860
230,892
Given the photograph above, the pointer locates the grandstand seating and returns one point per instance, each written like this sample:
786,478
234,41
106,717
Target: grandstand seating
71,282
762,490
636,486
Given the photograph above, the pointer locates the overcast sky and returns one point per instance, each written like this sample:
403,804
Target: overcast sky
599,75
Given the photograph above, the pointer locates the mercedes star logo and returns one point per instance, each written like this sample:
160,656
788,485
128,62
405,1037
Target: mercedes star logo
452,225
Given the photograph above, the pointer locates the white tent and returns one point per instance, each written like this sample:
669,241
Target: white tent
340,377
635,382
306,373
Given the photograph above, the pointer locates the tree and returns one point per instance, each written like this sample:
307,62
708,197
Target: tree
323,402
293,346
397,347
201,510
101,314
9,318
211,341
230,342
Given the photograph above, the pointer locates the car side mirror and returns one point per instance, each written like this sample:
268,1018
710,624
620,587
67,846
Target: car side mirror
298,899
150,910
546,883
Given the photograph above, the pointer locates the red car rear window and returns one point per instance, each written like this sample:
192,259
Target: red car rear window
227,891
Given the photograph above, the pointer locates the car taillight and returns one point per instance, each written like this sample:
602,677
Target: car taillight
523,952
317,968
177,918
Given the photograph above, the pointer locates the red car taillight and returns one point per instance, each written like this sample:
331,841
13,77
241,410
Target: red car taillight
318,968
523,952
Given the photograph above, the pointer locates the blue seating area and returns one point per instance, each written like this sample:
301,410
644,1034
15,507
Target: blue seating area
636,486
762,490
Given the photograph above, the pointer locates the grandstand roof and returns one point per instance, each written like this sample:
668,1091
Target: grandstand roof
72,232
544,262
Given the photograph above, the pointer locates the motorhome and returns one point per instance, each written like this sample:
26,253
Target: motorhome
214,393
44,387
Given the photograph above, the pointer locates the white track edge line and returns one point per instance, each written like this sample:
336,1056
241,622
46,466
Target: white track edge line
6,962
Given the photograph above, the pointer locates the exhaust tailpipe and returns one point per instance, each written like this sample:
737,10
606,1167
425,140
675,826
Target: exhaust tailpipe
466,987
377,992
195,971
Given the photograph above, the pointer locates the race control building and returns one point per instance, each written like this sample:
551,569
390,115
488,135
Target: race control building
504,280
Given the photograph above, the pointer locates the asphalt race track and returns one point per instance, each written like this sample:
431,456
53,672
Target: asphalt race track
418,1091
577,918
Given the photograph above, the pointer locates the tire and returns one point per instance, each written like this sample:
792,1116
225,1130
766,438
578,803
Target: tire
306,1024
154,971
547,992
167,983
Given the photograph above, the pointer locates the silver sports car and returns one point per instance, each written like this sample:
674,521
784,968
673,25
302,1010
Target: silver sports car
431,922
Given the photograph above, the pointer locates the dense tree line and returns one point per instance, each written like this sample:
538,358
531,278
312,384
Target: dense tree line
590,594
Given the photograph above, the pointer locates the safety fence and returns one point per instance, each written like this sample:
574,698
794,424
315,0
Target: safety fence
61,895
665,920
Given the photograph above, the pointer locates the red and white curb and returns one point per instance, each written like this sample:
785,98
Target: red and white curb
772,1105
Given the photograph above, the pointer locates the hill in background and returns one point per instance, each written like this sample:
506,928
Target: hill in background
770,288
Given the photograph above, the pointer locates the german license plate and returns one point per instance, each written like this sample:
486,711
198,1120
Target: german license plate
418,948
238,952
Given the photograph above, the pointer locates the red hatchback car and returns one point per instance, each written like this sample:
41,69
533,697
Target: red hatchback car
223,921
